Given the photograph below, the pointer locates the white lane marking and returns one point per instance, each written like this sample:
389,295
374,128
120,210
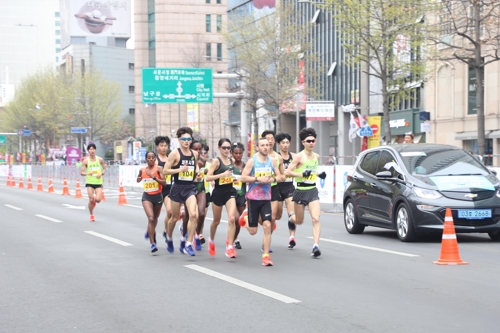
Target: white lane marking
211,218
111,239
73,207
243,284
48,218
370,248
132,206
13,207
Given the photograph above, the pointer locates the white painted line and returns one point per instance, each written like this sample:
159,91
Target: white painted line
243,284
370,248
132,206
48,218
211,218
13,207
111,239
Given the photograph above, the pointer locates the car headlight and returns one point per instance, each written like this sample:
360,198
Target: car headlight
426,194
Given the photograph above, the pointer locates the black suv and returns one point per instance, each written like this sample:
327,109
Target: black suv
408,187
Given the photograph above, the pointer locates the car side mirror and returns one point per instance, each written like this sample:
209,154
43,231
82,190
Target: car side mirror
493,172
384,174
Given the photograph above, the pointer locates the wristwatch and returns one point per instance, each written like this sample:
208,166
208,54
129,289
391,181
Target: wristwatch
256,181
154,178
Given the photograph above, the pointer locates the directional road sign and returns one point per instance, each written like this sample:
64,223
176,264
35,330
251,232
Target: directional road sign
177,85
78,130
26,132
3,140
365,131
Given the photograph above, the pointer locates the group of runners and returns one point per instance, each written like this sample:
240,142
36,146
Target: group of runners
252,193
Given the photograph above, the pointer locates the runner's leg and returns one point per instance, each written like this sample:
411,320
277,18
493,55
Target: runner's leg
98,194
298,217
217,211
289,209
274,210
166,202
90,193
191,208
231,215
176,207
315,211
266,225
201,198
149,210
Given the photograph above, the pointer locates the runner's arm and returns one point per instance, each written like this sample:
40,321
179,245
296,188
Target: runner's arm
277,171
245,174
296,162
171,160
281,168
160,179
210,175
139,176
83,169
103,165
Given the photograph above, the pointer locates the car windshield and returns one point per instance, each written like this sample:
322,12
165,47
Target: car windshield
444,162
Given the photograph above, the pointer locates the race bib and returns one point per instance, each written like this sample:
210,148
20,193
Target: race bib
187,175
310,180
225,180
289,180
237,185
263,172
169,179
95,170
150,185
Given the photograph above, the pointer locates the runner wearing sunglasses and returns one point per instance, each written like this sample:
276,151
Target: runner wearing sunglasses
182,165
304,168
162,145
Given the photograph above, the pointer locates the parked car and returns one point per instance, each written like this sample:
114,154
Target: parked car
408,187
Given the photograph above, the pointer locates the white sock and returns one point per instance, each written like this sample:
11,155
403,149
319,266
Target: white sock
183,238
316,246
229,247
189,243
210,240
168,238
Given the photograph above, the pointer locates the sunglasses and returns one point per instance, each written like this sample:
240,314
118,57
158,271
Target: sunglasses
225,147
186,139
310,141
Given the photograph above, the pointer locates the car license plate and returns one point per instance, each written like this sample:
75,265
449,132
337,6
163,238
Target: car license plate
472,214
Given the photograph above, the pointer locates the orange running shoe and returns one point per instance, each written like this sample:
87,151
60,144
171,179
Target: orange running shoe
211,249
266,261
242,221
92,218
274,227
230,253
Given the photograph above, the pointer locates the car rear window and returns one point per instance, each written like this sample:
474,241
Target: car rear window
443,162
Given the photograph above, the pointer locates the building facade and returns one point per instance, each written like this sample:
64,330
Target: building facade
181,34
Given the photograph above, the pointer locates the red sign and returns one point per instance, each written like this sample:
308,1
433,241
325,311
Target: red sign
374,128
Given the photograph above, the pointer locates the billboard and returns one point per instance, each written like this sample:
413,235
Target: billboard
99,18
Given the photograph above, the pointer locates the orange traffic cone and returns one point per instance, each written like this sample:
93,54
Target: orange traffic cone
50,189
103,197
12,181
39,187
449,245
8,181
21,183
122,199
30,184
65,188
78,193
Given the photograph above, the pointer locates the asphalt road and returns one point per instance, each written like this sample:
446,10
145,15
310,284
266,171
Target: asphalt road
57,274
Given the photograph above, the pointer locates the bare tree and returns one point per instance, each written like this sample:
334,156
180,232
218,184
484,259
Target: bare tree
468,31
195,55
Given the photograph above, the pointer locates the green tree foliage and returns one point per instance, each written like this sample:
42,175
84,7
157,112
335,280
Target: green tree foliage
385,39
467,31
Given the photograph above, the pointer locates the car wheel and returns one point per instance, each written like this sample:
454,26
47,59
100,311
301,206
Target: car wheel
351,222
494,235
404,224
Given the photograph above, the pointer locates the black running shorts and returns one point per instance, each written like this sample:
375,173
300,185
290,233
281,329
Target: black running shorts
286,190
155,199
241,201
304,197
165,192
275,193
180,193
258,208
220,196
209,198
94,186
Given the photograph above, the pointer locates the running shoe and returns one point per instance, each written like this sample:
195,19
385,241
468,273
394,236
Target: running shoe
316,252
292,242
170,245
164,235
242,221
230,253
153,248
270,249
197,242
202,239
237,245
182,246
92,218
211,249
189,251
266,261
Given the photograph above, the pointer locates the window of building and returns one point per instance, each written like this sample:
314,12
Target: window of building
58,32
219,23
208,23
58,23
219,51
58,14
208,55
131,89
130,65
131,111
219,2
207,1
57,59
58,49
58,41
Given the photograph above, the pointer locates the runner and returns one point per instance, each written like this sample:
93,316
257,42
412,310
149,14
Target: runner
304,168
208,186
275,193
286,188
223,194
152,198
94,168
162,144
182,164
240,187
258,173
200,196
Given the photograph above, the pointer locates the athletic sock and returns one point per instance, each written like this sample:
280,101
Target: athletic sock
189,243
229,247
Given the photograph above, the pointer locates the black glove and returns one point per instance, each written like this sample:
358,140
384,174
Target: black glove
322,175
306,173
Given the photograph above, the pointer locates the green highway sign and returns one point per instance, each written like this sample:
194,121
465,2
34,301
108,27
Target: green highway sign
177,85
3,140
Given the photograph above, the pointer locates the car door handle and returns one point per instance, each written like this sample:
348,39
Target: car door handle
373,185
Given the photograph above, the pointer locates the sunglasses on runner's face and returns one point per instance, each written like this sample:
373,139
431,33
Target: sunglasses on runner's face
186,139
225,147
310,141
